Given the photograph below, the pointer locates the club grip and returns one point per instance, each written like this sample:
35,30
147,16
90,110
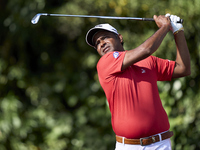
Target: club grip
151,19
147,19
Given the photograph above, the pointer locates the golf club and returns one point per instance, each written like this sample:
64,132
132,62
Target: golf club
37,17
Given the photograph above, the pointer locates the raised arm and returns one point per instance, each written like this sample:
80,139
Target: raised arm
150,45
182,67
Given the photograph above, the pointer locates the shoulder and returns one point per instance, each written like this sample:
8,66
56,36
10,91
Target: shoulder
111,57
110,63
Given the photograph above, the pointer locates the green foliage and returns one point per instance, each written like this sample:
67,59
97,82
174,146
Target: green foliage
50,97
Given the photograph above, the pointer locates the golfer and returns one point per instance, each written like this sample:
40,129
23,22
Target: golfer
129,80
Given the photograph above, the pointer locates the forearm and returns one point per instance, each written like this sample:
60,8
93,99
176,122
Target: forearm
152,44
145,49
182,67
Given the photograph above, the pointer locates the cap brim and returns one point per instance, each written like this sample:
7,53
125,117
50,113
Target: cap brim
90,35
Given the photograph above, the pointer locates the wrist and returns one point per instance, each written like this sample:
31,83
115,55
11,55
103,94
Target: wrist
181,29
166,27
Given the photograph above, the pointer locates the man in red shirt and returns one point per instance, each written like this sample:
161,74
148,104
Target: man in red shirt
129,80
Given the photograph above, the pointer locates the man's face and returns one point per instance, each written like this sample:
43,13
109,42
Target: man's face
106,41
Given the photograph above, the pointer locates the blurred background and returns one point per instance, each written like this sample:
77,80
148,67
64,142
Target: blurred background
50,96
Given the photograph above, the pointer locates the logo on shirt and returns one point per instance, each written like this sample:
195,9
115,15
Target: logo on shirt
116,54
143,71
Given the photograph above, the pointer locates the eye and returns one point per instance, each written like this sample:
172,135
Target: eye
101,39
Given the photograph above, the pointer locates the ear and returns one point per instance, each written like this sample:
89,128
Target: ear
120,37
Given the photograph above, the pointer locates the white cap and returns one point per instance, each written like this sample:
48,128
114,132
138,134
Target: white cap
93,31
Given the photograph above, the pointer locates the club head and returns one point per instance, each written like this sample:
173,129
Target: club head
35,19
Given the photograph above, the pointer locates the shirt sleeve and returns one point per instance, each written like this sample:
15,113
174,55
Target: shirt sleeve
164,68
110,64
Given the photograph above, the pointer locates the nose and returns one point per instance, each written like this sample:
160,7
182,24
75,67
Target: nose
103,43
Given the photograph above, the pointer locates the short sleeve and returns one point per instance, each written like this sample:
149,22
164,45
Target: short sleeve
164,68
110,64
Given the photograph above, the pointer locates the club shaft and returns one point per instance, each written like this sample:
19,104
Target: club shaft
37,17
102,17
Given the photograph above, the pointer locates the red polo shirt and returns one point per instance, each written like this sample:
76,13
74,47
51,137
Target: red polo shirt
132,94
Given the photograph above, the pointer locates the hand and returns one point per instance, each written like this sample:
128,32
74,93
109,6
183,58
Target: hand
162,21
175,27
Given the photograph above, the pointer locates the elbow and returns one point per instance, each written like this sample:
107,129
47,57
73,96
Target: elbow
182,69
149,49
146,52
146,49
186,71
